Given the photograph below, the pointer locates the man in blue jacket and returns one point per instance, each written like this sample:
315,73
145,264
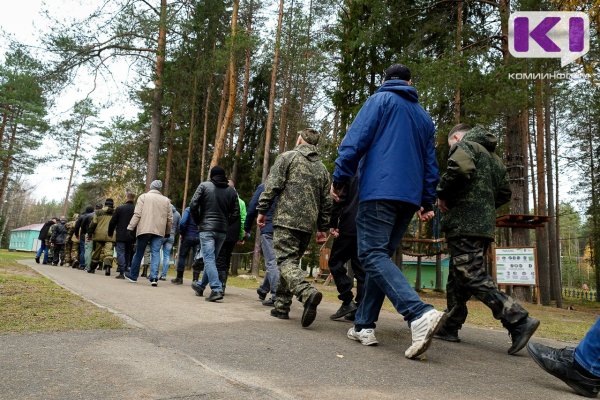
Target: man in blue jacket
189,242
392,144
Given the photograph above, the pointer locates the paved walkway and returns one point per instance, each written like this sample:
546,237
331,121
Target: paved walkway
179,346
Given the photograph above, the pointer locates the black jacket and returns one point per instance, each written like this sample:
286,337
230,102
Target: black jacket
214,207
59,236
119,222
82,224
44,232
343,215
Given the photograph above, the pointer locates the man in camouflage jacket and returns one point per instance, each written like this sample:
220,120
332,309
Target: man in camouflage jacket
72,244
302,182
102,256
474,185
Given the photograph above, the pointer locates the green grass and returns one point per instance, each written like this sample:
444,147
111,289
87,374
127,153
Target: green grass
30,302
560,324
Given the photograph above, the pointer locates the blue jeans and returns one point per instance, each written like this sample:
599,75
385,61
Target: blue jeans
587,353
82,251
381,225
167,247
142,241
210,244
43,248
269,284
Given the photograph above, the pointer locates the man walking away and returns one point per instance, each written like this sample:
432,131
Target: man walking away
72,244
189,243
80,234
43,237
344,249
102,257
302,182
474,185
151,222
167,244
269,283
392,144
58,240
214,207
123,241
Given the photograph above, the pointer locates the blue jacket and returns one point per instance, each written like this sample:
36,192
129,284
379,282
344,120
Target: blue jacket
252,212
187,228
392,144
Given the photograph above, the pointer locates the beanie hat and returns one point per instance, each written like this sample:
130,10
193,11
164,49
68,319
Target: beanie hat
156,185
397,71
310,136
216,171
109,203
89,209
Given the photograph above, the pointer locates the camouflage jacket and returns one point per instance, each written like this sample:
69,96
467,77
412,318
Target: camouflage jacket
71,232
99,226
302,183
474,185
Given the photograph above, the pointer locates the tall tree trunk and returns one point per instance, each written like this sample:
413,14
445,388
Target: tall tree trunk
595,239
555,284
232,75
287,87
557,197
307,54
458,48
205,134
169,161
240,140
269,128
5,118
541,233
79,133
529,144
154,143
7,162
190,148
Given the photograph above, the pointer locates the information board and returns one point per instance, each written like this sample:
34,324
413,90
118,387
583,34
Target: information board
516,266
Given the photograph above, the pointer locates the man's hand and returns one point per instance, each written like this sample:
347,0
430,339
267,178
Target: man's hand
321,237
335,195
261,220
131,234
425,216
441,203
168,235
334,232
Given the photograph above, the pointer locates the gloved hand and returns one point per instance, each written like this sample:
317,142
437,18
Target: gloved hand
168,235
131,234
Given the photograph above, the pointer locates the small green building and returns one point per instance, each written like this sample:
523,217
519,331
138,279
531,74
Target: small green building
409,268
25,238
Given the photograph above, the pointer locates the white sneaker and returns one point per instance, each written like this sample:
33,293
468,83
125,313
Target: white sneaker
365,336
423,330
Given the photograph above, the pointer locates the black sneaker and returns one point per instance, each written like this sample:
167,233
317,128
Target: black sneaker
37,260
344,309
261,295
310,308
447,335
280,314
350,317
91,271
130,278
521,333
107,271
561,364
177,281
214,296
269,303
120,276
198,289
162,278
154,282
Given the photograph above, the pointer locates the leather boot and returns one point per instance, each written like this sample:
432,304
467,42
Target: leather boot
107,270
195,276
179,279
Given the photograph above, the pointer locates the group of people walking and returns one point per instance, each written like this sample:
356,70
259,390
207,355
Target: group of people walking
385,173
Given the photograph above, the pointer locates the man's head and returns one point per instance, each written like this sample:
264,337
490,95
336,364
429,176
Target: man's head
98,206
217,171
63,219
130,196
110,203
156,185
89,209
54,219
308,136
457,133
397,71
231,183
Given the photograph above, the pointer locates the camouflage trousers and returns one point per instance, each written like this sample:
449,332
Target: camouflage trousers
289,246
102,254
468,277
72,253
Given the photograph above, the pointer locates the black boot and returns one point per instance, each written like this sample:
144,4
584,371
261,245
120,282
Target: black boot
521,332
107,270
195,276
145,272
179,279
223,278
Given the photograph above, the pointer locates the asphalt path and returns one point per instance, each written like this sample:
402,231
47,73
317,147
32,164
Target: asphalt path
178,346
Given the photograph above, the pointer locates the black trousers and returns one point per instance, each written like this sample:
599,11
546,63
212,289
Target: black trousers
344,249
187,244
224,260
468,277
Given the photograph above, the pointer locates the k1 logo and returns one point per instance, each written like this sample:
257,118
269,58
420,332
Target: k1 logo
541,34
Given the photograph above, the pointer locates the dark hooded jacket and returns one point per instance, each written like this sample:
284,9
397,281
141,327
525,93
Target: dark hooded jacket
474,185
44,231
253,212
119,222
59,234
392,144
214,206
302,183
